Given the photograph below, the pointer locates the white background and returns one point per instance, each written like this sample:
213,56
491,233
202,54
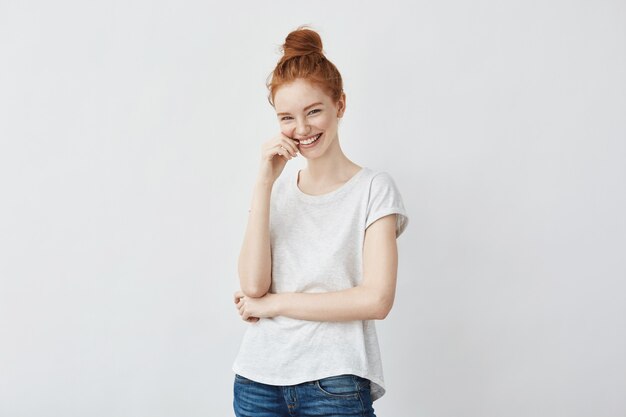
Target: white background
129,142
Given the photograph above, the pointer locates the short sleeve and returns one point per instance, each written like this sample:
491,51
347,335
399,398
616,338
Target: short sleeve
385,199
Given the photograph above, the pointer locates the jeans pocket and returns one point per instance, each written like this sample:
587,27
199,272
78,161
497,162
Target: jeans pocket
363,383
344,386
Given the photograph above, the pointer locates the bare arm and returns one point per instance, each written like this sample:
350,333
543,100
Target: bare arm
255,262
255,258
372,299
356,303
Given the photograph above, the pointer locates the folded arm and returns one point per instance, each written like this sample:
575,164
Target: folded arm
372,299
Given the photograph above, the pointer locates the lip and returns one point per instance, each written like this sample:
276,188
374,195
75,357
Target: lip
311,145
308,137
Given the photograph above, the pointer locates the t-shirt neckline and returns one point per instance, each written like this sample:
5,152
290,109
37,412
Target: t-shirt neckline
326,197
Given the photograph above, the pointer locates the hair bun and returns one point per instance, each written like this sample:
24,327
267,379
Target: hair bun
301,42
303,58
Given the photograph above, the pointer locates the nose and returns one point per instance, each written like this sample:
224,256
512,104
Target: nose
302,128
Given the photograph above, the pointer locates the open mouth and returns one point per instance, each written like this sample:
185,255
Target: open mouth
309,141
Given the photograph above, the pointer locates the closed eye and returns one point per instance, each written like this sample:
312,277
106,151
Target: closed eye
314,110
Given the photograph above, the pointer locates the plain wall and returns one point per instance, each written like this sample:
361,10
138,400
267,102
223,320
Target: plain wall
130,134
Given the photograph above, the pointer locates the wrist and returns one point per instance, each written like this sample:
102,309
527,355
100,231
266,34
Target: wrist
277,304
265,185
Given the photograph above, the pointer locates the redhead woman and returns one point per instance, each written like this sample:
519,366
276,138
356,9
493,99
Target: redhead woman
319,258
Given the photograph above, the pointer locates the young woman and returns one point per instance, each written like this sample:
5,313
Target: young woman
319,258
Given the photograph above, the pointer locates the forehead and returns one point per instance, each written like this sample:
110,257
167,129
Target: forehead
298,94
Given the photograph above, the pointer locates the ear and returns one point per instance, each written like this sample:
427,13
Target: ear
341,105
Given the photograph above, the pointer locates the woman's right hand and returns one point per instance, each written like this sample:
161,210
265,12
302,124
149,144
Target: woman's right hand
275,153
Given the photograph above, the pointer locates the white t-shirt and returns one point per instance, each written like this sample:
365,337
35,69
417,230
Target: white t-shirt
317,246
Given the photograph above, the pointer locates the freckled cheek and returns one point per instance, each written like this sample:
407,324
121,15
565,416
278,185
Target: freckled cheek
326,124
287,133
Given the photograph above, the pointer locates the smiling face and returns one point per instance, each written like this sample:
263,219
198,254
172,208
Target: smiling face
305,112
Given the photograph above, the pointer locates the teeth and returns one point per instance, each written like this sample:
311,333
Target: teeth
309,141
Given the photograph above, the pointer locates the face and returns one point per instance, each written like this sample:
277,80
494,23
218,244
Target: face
305,111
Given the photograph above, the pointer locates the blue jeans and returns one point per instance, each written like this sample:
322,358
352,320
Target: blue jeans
341,395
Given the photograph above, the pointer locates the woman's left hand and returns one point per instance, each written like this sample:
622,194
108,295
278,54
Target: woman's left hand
252,309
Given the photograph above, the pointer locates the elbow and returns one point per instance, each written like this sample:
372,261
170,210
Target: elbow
382,309
254,291
379,304
254,284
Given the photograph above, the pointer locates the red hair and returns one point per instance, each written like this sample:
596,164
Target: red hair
303,57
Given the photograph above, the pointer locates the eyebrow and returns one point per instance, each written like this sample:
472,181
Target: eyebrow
310,105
